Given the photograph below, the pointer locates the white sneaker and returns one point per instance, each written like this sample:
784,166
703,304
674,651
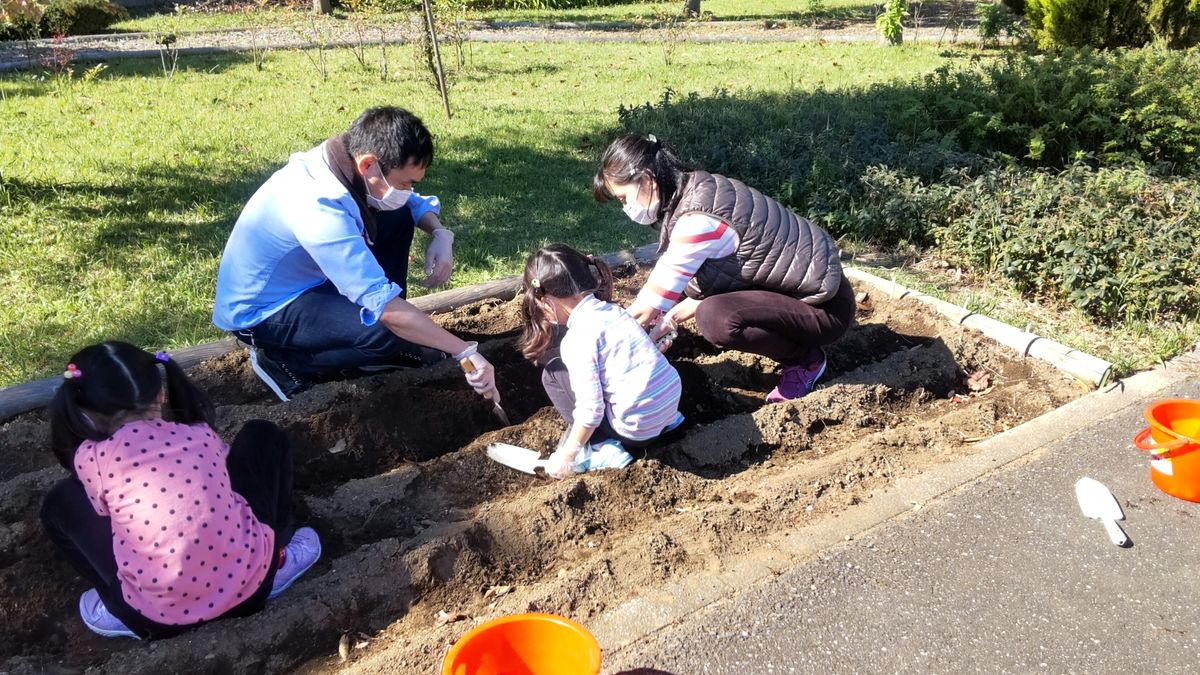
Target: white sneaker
607,454
97,618
301,553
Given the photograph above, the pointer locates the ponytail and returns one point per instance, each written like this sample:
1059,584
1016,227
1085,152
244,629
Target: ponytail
107,383
558,271
632,155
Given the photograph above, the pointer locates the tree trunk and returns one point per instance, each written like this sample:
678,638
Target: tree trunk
322,6
692,8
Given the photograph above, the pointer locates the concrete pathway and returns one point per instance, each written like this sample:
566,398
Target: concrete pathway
1002,575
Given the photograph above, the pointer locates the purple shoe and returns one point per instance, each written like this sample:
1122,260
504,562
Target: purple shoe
796,381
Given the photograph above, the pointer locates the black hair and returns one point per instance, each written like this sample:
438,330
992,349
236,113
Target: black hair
394,135
117,381
558,271
632,155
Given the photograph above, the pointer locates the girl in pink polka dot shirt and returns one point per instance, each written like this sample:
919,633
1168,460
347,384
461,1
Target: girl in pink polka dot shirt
172,526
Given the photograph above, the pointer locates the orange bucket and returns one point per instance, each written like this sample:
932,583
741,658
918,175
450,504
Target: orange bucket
525,644
1172,439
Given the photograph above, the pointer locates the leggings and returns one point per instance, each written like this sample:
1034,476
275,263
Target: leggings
260,470
775,325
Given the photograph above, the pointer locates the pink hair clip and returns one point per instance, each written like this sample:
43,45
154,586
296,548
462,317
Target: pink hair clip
72,372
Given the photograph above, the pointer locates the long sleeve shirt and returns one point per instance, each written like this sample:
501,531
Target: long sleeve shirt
299,230
617,372
695,239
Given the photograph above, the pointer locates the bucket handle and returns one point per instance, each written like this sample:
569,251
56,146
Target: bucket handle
1142,441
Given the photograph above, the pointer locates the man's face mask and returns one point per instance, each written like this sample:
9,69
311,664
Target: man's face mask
642,215
392,198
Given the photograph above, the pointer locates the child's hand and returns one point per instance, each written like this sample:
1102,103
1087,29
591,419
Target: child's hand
561,464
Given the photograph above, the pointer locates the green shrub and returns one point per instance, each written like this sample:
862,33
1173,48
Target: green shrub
890,22
995,19
1073,175
1118,243
1107,24
81,17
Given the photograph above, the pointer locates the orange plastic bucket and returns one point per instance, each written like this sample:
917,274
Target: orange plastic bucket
525,644
1172,439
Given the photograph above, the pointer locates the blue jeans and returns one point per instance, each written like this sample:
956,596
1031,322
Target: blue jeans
319,335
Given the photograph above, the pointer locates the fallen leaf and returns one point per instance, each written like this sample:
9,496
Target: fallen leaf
979,380
443,617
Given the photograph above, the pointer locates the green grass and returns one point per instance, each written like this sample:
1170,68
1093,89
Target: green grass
117,201
721,10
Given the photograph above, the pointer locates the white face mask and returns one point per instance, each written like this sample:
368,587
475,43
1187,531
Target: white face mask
392,198
642,215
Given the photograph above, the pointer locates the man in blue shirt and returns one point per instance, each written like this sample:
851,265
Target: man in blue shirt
315,272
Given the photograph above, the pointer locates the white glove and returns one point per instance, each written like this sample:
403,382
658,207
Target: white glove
439,258
480,374
561,463
664,332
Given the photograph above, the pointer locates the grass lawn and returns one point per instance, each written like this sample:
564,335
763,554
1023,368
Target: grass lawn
118,198
722,10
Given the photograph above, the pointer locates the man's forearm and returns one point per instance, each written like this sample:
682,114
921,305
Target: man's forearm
411,324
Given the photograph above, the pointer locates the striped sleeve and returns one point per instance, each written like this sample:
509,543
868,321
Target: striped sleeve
696,238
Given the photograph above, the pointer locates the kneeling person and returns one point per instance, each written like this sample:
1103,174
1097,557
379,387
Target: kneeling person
315,273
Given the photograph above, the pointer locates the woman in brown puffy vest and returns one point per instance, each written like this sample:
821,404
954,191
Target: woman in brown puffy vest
756,277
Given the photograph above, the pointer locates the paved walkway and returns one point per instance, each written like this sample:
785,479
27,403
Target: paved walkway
1005,575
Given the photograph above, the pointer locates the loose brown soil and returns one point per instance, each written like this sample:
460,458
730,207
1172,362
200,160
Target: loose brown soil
415,519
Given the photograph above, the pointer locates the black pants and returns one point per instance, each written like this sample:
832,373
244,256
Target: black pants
320,334
774,325
260,470
557,382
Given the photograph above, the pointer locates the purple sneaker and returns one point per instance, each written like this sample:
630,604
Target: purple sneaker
796,381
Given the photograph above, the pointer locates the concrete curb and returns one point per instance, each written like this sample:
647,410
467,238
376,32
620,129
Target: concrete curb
645,616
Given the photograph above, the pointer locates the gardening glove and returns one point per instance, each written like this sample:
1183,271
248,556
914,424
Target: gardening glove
561,463
664,333
439,258
480,373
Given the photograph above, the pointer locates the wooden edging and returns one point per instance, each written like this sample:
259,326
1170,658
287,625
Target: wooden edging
28,396
1078,364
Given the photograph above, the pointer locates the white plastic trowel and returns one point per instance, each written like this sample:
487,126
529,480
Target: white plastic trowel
516,457
1097,502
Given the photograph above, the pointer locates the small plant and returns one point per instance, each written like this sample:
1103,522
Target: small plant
259,46
995,19
314,30
814,10
168,52
890,22
956,18
59,59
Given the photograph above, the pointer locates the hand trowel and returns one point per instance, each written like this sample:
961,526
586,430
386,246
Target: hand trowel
1097,502
469,367
516,457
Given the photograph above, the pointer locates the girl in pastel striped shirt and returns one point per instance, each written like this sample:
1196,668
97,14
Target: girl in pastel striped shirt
604,375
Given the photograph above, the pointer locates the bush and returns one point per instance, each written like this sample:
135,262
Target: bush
81,17
994,19
1058,172
1107,24
540,4
1117,243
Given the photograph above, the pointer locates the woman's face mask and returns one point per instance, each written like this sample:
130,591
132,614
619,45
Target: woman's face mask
392,198
642,214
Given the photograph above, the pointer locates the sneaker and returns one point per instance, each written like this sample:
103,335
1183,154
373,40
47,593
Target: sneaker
301,553
97,618
275,375
607,454
799,380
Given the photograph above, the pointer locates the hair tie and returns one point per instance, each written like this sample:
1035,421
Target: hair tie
72,372
162,357
535,283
